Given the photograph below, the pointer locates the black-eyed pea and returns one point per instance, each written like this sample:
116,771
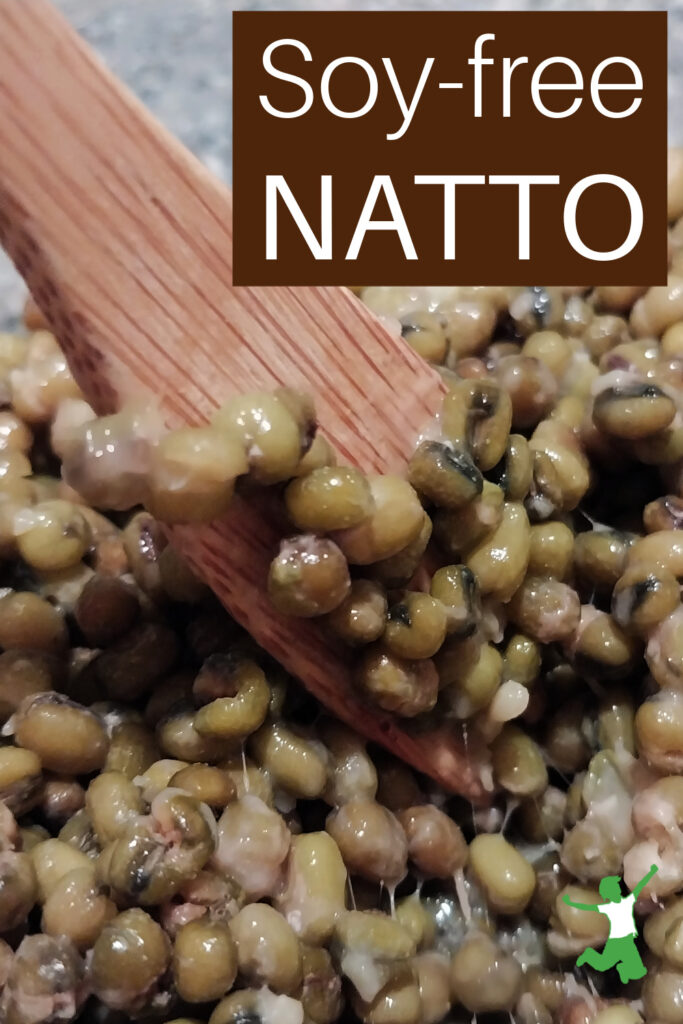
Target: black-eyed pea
476,416
397,1003
658,308
207,783
600,556
542,818
113,802
370,946
551,349
398,570
507,879
21,774
248,778
296,764
444,474
459,530
476,683
522,660
484,978
531,386
361,617
29,622
68,738
407,688
129,668
425,333
192,474
545,609
242,696
128,959
309,576
500,561
331,498
396,520
563,448
60,799
665,513
600,646
581,924
397,786
634,411
78,907
52,535
515,471
351,772
518,763
321,992
643,598
662,549
132,749
253,844
52,860
268,950
663,996
659,731
552,549
204,961
157,777
370,840
416,626
314,892
107,607
417,921
269,431
455,586
436,845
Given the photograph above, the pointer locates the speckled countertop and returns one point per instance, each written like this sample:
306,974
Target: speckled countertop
176,55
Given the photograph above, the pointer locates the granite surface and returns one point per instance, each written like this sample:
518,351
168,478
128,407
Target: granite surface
176,55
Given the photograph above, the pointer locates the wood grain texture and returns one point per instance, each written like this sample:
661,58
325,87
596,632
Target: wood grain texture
125,242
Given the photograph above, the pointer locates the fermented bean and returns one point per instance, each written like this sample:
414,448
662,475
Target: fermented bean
522,660
268,951
397,1003
331,498
501,560
642,599
371,841
361,617
21,775
77,907
506,878
113,802
552,550
351,772
484,978
308,577
314,892
476,681
204,961
296,764
128,959
270,433
444,474
253,844
600,556
407,688
396,520
416,626
518,763
514,472
31,623
659,730
459,530
68,739
455,586
398,570
207,783
433,977
545,609
436,845
242,697
52,860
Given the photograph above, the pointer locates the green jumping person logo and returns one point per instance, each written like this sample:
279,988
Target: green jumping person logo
620,949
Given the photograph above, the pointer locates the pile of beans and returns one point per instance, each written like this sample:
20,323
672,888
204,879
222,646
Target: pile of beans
186,837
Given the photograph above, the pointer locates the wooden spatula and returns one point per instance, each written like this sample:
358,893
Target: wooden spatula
125,242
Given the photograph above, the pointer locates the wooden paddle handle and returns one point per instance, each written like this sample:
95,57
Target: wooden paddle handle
125,242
